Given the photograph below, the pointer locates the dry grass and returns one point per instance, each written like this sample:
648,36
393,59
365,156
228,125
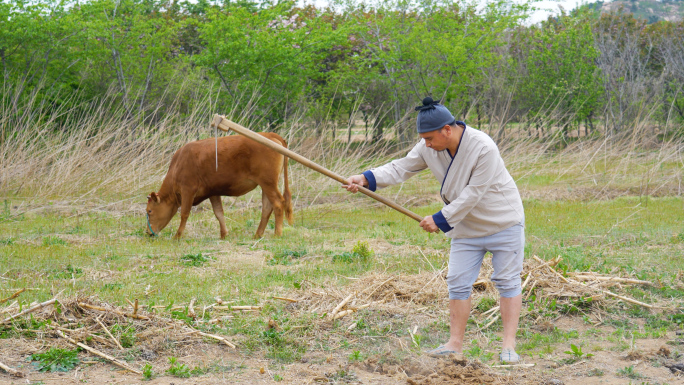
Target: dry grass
104,156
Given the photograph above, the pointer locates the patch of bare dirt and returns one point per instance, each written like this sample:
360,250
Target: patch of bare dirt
457,370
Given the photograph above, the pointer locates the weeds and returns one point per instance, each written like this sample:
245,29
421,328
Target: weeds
56,360
577,353
286,257
355,356
182,370
361,253
54,241
194,260
125,333
281,348
476,352
485,304
148,373
629,372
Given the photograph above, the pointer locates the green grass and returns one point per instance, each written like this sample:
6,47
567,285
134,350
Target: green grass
107,255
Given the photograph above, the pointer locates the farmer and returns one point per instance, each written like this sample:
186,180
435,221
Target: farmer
483,212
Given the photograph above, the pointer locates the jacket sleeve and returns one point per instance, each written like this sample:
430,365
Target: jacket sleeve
398,170
483,176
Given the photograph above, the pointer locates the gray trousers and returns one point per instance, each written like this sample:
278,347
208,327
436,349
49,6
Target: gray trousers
507,248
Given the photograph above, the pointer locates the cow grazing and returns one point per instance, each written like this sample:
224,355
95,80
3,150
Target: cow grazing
242,165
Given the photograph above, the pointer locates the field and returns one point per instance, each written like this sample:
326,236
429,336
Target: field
617,213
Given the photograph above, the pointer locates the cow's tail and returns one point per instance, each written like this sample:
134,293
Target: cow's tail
286,190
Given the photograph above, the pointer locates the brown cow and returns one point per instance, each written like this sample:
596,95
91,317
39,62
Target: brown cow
242,165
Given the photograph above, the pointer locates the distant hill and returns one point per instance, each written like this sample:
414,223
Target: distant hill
651,10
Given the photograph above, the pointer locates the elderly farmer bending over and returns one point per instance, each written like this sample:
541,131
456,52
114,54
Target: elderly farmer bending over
483,212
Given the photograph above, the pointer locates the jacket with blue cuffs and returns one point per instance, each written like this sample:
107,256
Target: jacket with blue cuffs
480,196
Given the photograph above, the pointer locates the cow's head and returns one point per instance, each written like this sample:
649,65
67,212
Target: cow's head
159,214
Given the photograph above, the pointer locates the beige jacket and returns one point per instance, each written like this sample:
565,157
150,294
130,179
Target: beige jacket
480,196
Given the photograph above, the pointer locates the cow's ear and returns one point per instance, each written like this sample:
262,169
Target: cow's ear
154,196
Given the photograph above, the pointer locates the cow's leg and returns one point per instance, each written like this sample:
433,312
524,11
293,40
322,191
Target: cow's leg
266,210
278,203
186,205
218,211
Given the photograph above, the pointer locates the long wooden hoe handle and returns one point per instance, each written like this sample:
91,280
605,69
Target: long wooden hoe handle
226,125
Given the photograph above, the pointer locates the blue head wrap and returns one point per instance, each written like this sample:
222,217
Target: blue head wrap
433,116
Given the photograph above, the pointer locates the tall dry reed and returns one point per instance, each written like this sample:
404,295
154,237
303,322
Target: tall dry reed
104,155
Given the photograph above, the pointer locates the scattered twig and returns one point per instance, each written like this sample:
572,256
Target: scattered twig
341,305
191,309
113,360
244,308
559,275
490,322
582,277
11,371
109,334
219,338
492,310
31,310
529,293
13,296
631,300
99,308
286,299
513,366
377,287
342,314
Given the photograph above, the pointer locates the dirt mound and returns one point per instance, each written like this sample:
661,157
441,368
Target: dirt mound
457,370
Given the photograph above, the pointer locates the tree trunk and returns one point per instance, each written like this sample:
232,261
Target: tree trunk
350,123
377,134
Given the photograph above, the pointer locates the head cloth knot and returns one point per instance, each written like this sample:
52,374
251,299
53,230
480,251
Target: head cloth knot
428,104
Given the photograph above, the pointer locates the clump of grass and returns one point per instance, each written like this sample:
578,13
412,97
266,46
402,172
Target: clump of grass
355,356
485,304
361,252
195,260
69,272
126,334
53,241
629,372
147,372
596,372
182,370
577,353
280,347
286,257
56,360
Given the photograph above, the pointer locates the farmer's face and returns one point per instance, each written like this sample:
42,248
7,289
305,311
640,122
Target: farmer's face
437,140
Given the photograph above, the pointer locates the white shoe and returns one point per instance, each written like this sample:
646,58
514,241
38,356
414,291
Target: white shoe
509,356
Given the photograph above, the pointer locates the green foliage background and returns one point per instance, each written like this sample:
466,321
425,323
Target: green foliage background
150,58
